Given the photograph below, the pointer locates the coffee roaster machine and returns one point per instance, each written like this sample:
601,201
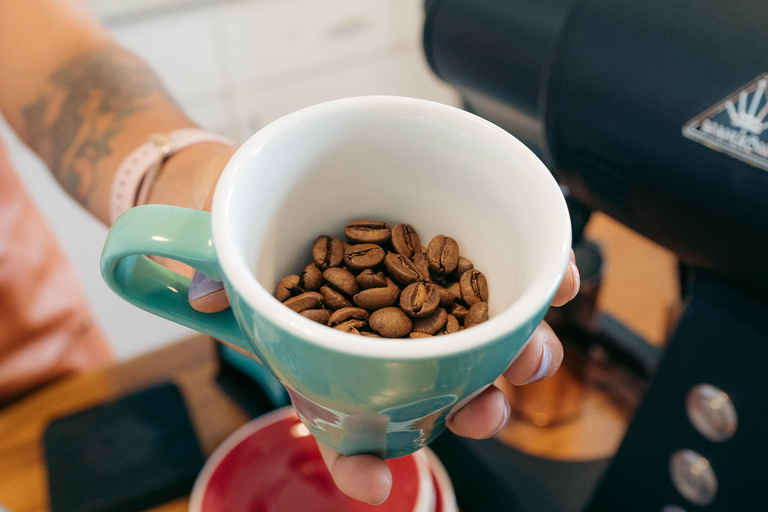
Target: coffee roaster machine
656,113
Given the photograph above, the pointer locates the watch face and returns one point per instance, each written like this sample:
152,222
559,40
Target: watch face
711,412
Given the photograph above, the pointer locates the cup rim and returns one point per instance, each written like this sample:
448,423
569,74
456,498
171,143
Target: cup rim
235,269
444,485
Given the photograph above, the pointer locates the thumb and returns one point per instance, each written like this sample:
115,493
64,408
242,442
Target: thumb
205,294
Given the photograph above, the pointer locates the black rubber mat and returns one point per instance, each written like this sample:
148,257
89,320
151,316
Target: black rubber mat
128,455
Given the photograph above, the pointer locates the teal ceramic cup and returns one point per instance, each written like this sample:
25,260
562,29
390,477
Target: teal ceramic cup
400,160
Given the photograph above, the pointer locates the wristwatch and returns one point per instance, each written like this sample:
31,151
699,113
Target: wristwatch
136,174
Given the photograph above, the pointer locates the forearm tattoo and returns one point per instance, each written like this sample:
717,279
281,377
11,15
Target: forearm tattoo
86,103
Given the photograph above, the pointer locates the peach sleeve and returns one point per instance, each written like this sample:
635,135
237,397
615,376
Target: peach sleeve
46,329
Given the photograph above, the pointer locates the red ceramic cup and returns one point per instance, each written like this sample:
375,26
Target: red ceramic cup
272,464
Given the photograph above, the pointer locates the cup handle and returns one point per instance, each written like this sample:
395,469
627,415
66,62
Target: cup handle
172,232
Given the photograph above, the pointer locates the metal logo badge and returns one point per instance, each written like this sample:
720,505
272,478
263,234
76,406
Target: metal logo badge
736,125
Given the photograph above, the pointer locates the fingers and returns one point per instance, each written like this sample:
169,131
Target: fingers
207,295
212,169
569,287
362,477
539,360
483,417
173,265
209,200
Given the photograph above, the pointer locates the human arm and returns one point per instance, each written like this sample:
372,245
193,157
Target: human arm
83,103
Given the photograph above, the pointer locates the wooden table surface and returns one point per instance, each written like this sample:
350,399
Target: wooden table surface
639,289
190,364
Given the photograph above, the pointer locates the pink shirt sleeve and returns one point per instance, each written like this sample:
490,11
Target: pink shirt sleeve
46,329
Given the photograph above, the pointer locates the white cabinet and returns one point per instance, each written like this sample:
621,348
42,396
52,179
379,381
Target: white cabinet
236,65
180,49
268,39
287,54
404,73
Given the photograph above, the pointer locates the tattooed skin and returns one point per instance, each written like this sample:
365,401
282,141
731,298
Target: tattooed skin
85,105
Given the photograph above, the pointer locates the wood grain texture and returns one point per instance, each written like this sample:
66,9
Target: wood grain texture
190,364
640,279
640,288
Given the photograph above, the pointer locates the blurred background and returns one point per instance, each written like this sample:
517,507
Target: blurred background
665,344
234,66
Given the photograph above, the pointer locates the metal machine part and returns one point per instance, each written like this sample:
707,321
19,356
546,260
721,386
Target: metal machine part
693,477
605,88
655,113
711,412
721,338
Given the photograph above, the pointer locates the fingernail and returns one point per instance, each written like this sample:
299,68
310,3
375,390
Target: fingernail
379,502
576,278
203,285
503,421
546,361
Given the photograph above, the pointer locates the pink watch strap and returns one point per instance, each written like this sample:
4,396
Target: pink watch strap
134,177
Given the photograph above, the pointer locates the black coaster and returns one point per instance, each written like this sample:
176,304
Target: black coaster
128,455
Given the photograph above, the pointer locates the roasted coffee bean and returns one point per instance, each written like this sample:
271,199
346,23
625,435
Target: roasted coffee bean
289,287
347,328
474,287
390,322
443,255
477,314
334,299
432,323
446,297
401,269
320,316
342,280
308,300
327,252
464,265
370,279
405,240
459,311
311,278
451,325
367,232
356,317
455,290
422,267
419,299
377,298
362,256
355,286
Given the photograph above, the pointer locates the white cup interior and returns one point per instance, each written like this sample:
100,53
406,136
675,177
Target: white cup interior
401,160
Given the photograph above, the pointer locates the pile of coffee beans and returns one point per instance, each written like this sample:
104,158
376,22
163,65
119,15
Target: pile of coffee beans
381,282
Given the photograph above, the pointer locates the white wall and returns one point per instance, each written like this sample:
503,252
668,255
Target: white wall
235,66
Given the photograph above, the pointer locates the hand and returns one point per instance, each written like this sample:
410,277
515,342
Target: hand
189,179
365,477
